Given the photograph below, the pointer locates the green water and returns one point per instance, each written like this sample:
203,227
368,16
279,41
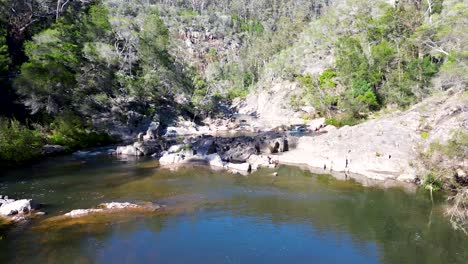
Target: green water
216,217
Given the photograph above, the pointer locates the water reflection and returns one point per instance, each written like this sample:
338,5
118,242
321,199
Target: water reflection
214,217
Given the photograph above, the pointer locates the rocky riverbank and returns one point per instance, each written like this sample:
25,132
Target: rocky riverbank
388,147
384,148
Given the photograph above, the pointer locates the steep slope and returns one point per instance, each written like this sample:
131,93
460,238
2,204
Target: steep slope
433,61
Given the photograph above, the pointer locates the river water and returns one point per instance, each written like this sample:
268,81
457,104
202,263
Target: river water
217,217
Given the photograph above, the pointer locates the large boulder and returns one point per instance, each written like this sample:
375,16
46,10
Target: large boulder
54,150
129,150
260,161
236,149
152,132
148,147
215,160
176,158
140,148
10,208
205,146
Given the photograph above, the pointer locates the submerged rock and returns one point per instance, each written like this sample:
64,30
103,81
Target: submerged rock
112,207
83,212
17,210
53,150
9,208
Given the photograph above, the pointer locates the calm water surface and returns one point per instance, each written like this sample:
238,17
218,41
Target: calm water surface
215,217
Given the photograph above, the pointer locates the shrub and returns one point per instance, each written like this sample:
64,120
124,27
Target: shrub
432,182
344,120
71,131
457,146
18,143
326,79
234,93
424,135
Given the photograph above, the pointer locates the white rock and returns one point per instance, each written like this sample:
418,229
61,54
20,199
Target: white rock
382,148
115,205
308,109
176,158
17,207
111,208
169,158
244,167
316,123
259,161
461,173
175,148
83,212
129,150
215,161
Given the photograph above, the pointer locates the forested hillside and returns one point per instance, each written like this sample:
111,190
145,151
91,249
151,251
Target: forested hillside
90,72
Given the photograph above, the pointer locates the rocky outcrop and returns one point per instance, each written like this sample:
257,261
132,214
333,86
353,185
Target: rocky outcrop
239,154
54,150
17,210
387,147
239,149
168,158
261,161
141,148
113,207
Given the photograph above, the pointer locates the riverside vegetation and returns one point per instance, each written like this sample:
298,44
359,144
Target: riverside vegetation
88,73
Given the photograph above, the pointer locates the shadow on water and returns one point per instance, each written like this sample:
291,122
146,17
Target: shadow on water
215,217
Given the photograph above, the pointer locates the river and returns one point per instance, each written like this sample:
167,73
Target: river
217,217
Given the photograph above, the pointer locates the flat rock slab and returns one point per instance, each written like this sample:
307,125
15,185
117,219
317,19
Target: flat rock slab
112,207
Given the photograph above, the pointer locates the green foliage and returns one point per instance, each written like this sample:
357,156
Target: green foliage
235,93
157,76
71,131
396,69
250,26
18,143
319,92
343,120
187,13
48,78
421,70
364,94
326,79
4,56
424,135
98,26
432,183
351,63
